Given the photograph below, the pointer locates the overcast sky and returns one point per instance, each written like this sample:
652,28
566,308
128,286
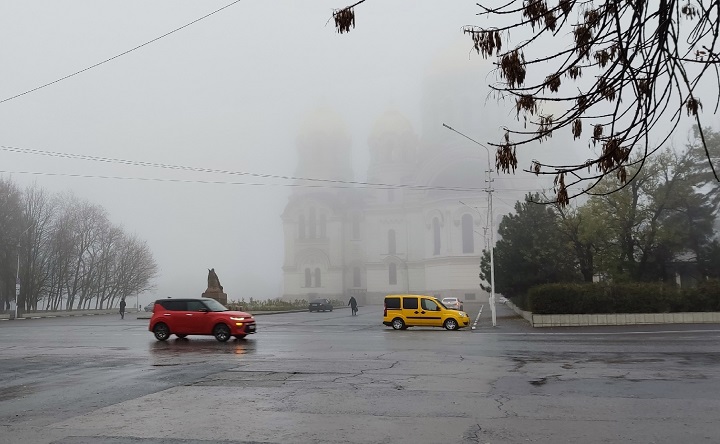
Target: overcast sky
226,93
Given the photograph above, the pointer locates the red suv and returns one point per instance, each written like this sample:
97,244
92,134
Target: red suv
199,316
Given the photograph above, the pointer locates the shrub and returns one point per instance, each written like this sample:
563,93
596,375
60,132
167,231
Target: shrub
276,304
556,298
643,297
626,297
704,297
267,305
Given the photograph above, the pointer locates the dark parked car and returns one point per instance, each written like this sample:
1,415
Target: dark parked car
149,307
320,305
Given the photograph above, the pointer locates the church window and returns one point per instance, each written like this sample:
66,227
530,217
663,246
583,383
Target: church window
356,277
317,277
312,225
392,272
436,236
468,241
356,226
301,226
323,226
308,278
391,242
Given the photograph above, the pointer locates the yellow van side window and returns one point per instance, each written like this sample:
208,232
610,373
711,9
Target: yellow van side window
430,305
410,303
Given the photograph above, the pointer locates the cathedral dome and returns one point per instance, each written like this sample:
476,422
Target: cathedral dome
322,122
455,92
323,145
392,139
391,122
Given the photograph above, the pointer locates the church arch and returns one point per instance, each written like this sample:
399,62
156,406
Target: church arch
392,273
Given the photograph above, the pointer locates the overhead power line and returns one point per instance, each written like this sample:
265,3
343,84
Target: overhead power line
121,54
327,183
225,182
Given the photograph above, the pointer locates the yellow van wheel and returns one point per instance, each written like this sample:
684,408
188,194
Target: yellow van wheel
451,324
398,324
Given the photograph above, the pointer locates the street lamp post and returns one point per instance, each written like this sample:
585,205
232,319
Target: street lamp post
17,273
489,190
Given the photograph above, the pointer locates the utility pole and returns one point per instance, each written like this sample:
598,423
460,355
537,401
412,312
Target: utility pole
489,190
17,274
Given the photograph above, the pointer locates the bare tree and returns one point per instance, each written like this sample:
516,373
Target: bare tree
11,227
39,209
625,70
67,253
135,267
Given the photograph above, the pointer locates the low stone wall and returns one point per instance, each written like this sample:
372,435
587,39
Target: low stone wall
586,320
57,314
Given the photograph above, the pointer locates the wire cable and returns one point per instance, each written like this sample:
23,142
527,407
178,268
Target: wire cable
119,55
349,186
343,183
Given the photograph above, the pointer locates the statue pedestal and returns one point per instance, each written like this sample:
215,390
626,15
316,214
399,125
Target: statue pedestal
217,295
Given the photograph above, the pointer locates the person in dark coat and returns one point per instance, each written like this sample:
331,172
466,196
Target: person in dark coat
122,308
353,305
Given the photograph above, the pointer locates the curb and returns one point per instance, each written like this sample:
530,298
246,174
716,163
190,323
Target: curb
59,314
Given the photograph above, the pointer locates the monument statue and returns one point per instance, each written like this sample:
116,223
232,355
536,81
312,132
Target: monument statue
213,281
214,289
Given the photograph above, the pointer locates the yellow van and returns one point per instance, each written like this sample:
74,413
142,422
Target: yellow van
419,310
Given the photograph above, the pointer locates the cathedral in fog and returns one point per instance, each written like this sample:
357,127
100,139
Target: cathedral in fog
416,229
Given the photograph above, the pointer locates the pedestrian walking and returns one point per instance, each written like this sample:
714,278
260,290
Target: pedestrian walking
122,308
353,305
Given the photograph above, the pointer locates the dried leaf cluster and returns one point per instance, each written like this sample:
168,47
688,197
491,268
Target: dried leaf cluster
512,65
537,11
344,19
506,156
485,43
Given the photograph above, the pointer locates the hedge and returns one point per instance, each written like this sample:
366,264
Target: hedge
639,297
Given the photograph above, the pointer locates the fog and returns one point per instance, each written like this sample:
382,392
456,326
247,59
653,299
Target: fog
226,95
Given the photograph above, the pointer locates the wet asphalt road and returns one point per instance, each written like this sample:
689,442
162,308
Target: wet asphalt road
330,377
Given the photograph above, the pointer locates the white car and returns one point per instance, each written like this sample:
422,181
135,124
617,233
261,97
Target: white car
502,300
453,303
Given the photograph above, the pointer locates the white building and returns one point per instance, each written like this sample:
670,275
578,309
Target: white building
410,234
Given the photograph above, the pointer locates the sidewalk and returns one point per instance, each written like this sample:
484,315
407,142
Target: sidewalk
62,314
507,321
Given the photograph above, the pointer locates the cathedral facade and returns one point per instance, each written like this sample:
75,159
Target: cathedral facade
416,225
